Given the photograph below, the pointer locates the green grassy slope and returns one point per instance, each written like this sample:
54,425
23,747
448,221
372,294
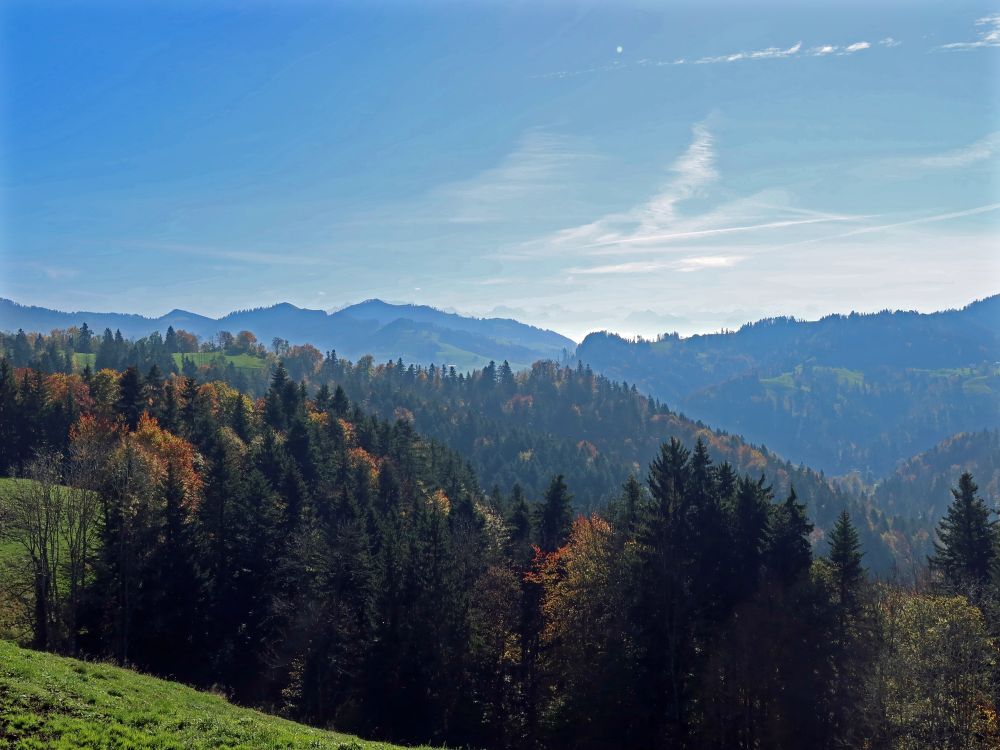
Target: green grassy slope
49,701
8,549
245,361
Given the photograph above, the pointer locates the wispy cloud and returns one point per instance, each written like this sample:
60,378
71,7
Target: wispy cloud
538,165
934,218
988,35
906,167
693,172
703,262
238,256
833,49
931,219
51,271
614,65
715,231
682,265
984,148
768,53
649,226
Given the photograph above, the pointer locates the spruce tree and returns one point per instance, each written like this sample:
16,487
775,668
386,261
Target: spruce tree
107,356
130,399
966,548
556,515
519,522
749,518
83,339
275,413
170,342
789,552
628,508
851,645
845,558
339,403
22,349
8,417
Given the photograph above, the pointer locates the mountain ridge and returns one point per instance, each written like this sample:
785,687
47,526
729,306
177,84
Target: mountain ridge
363,328
846,393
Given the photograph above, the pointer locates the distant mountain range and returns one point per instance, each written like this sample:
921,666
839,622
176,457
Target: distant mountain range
416,333
845,393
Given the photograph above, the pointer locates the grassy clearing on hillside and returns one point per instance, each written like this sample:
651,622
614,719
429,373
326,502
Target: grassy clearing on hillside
81,360
246,361
237,360
787,380
49,701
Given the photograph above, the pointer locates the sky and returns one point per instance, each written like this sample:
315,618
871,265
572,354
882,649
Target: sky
633,166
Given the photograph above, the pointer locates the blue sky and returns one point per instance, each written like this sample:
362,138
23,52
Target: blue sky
641,167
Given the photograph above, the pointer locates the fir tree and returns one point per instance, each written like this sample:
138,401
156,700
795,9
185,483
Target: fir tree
966,548
555,515
8,417
789,552
84,338
845,558
130,398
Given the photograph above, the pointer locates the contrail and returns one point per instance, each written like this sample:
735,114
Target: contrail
721,230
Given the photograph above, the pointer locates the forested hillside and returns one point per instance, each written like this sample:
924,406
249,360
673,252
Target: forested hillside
918,487
514,428
845,393
518,428
312,560
855,393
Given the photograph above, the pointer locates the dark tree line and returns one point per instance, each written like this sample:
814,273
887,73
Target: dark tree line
516,428
341,569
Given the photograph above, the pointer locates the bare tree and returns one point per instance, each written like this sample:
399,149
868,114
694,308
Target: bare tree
53,526
32,515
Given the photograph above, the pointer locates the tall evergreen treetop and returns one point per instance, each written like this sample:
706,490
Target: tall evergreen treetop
845,556
556,515
790,553
966,548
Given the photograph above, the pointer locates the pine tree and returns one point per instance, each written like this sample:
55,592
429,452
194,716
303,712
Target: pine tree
661,612
83,339
22,349
966,548
8,417
519,522
555,515
845,558
339,404
154,389
275,413
107,356
749,518
789,552
711,542
629,508
170,342
130,398
851,644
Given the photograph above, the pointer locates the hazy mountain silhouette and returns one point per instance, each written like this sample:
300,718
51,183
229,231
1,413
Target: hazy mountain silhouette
847,392
416,333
